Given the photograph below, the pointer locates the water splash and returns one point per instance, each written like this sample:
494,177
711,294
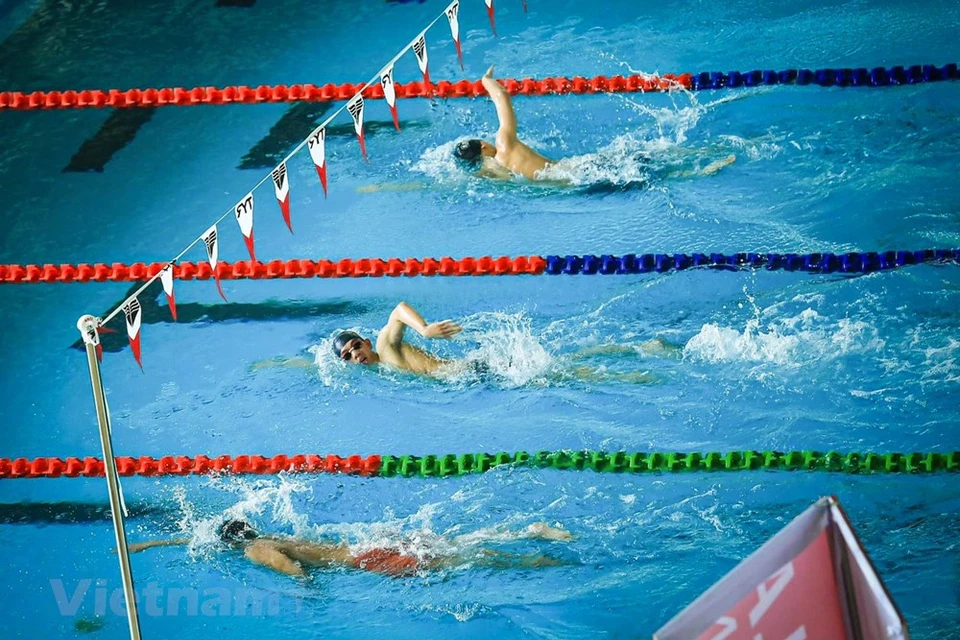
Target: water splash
805,338
654,149
507,348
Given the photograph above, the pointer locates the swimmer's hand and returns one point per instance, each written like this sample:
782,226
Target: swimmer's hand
442,329
489,73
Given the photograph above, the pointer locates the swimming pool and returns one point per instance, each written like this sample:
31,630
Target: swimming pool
769,360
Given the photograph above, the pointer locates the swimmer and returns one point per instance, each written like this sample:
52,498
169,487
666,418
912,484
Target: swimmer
391,348
294,556
510,156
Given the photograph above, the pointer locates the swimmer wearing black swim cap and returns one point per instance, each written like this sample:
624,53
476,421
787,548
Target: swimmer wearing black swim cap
510,156
392,349
295,556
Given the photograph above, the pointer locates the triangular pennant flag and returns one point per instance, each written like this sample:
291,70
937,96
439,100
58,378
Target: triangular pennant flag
316,142
92,335
390,94
209,238
281,186
493,25
420,49
355,107
812,580
453,12
166,279
132,311
243,211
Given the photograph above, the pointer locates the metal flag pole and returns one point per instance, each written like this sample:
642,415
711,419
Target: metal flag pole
91,340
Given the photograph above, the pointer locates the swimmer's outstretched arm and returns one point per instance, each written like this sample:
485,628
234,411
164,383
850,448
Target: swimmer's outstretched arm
392,186
404,316
507,134
149,544
296,362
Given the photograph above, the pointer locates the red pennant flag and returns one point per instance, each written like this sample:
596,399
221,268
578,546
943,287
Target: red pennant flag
493,24
281,187
133,312
166,279
243,211
95,339
420,49
812,580
355,107
210,242
453,12
390,94
316,144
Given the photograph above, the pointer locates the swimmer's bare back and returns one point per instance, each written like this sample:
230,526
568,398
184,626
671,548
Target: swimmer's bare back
512,154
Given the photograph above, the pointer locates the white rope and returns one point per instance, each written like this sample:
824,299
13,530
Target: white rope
190,246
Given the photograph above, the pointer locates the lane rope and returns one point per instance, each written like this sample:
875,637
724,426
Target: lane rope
445,89
589,264
468,463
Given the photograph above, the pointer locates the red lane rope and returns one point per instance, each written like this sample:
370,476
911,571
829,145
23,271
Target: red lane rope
178,96
275,269
90,467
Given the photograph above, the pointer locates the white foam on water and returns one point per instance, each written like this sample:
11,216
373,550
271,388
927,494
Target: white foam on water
794,341
508,347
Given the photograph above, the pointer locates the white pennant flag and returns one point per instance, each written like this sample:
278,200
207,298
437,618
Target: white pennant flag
281,186
133,313
316,143
355,107
243,211
166,279
390,94
453,12
420,49
493,25
209,238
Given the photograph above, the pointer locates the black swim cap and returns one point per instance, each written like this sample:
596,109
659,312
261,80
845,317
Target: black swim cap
237,531
469,152
342,339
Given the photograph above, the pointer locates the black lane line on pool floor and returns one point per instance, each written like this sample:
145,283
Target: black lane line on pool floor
297,123
118,131
154,310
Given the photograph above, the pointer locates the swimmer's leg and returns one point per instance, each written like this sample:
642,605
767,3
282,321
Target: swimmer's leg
716,165
655,347
536,531
709,170
660,347
496,560
589,374
604,350
296,362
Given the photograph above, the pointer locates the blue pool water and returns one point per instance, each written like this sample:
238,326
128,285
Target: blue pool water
766,360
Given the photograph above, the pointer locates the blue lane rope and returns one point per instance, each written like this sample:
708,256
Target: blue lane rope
854,262
859,77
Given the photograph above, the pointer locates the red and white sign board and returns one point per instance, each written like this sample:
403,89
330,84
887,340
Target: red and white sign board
811,581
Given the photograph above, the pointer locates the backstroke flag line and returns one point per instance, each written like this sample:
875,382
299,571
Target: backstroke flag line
316,144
